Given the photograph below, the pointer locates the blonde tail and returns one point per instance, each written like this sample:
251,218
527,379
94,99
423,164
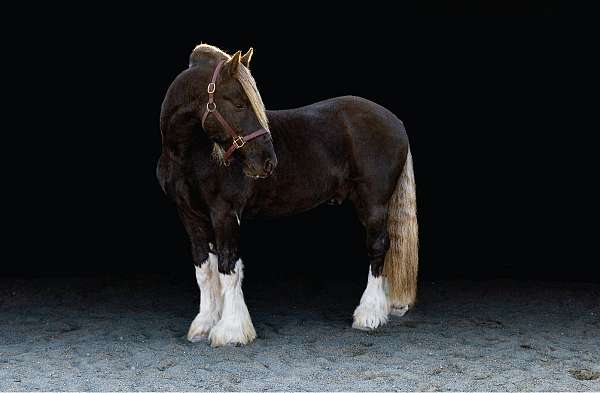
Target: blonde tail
402,259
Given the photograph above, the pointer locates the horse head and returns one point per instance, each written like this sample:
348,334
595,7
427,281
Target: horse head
233,114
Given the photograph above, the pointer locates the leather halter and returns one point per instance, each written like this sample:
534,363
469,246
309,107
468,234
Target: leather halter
211,107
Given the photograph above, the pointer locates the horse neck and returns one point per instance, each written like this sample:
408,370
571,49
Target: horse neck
182,139
281,124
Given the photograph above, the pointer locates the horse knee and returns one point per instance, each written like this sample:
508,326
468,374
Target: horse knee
199,255
227,263
377,249
377,236
377,246
377,266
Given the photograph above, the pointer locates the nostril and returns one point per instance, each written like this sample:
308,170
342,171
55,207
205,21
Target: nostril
268,166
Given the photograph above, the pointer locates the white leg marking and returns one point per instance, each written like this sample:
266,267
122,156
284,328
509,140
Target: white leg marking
235,326
211,302
374,308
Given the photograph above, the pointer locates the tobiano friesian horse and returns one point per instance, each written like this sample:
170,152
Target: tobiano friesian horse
225,159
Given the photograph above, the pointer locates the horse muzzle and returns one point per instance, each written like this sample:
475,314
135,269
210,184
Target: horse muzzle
262,172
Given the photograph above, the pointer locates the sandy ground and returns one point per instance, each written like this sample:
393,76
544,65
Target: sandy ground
128,334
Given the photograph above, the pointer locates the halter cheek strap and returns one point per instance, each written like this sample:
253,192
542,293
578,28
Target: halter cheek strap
211,107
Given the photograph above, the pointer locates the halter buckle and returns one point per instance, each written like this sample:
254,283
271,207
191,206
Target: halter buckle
239,142
211,87
209,108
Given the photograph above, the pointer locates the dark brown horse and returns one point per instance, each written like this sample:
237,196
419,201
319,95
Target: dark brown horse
225,160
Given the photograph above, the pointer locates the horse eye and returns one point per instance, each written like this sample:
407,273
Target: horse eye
239,106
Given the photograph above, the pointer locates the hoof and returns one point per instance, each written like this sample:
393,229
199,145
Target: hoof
201,327
399,311
236,333
369,318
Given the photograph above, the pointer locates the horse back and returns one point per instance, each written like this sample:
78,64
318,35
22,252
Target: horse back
325,150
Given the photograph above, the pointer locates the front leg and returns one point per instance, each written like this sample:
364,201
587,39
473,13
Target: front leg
211,301
197,225
235,326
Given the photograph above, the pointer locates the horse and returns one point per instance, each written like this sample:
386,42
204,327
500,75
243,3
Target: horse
225,160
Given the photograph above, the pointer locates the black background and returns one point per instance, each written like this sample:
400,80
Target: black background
482,100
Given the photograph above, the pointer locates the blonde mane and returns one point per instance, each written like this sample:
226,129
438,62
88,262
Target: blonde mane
243,76
249,85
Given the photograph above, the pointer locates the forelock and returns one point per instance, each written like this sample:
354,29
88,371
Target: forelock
249,85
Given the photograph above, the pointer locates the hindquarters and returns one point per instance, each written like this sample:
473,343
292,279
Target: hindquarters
383,195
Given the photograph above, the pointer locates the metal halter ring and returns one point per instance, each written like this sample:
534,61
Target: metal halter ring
239,142
211,87
209,108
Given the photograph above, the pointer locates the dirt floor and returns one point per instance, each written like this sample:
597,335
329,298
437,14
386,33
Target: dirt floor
104,333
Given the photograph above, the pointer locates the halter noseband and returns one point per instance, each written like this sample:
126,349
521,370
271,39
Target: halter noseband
211,107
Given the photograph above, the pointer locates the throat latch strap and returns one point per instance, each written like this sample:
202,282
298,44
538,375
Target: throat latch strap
240,141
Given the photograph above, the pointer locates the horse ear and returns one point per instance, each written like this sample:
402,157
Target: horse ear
234,64
247,57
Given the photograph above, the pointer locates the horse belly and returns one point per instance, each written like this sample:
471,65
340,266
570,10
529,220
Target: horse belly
298,195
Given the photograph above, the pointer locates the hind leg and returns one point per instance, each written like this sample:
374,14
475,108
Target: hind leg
373,309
